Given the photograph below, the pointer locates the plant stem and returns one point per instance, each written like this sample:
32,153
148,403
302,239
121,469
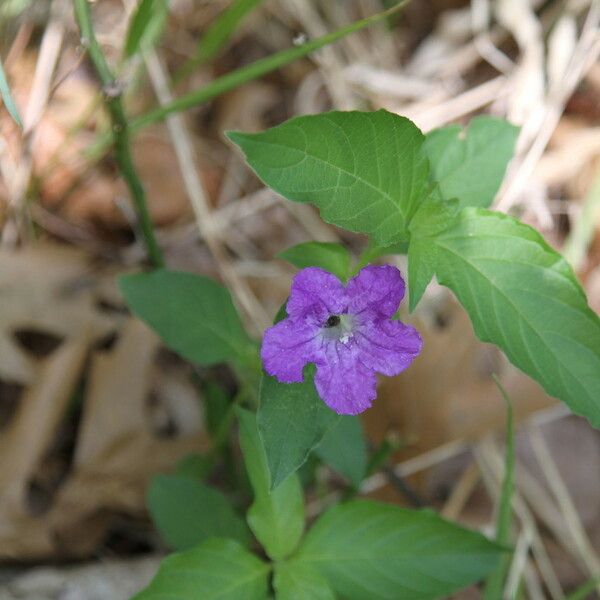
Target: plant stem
496,581
255,70
120,130
581,234
241,76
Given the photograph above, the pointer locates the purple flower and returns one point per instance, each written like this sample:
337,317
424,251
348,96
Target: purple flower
346,331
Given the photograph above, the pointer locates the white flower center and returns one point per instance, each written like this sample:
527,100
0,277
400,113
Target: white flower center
339,328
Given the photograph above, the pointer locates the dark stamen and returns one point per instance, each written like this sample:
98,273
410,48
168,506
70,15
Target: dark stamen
333,321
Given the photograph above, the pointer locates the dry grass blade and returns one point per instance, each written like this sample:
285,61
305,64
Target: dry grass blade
108,408
490,460
576,245
328,59
583,57
461,492
200,204
39,95
585,551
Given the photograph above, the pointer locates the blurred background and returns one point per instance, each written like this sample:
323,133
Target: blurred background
91,405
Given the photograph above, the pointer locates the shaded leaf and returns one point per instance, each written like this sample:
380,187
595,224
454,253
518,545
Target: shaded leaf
297,581
370,550
216,569
195,466
192,314
329,256
372,252
344,449
471,167
187,512
292,420
277,516
145,25
217,403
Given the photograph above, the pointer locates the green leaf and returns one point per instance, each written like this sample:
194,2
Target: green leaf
9,9
433,217
292,420
253,71
583,591
217,405
344,449
522,296
277,516
297,581
372,252
217,35
421,269
471,167
192,314
187,512
195,466
508,485
145,26
331,257
370,550
214,570
365,171
7,98
583,230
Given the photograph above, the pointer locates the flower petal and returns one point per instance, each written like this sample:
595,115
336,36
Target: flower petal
345,384
387,347
287,347
318,291
376,288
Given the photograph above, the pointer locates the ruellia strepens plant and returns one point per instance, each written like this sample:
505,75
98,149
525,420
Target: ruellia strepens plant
302,386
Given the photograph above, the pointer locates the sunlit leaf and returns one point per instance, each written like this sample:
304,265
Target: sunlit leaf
370,550
365,171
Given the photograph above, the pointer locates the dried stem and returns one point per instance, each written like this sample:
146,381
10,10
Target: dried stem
120,129
200,204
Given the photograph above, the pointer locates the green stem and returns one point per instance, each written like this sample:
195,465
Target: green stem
243,75
581,235
581,593
254,71
120,129
496,580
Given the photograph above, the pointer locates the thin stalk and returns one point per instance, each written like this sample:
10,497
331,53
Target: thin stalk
241,76
6,97
581,235
120,130
216,36
495,582
255,70
581,593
